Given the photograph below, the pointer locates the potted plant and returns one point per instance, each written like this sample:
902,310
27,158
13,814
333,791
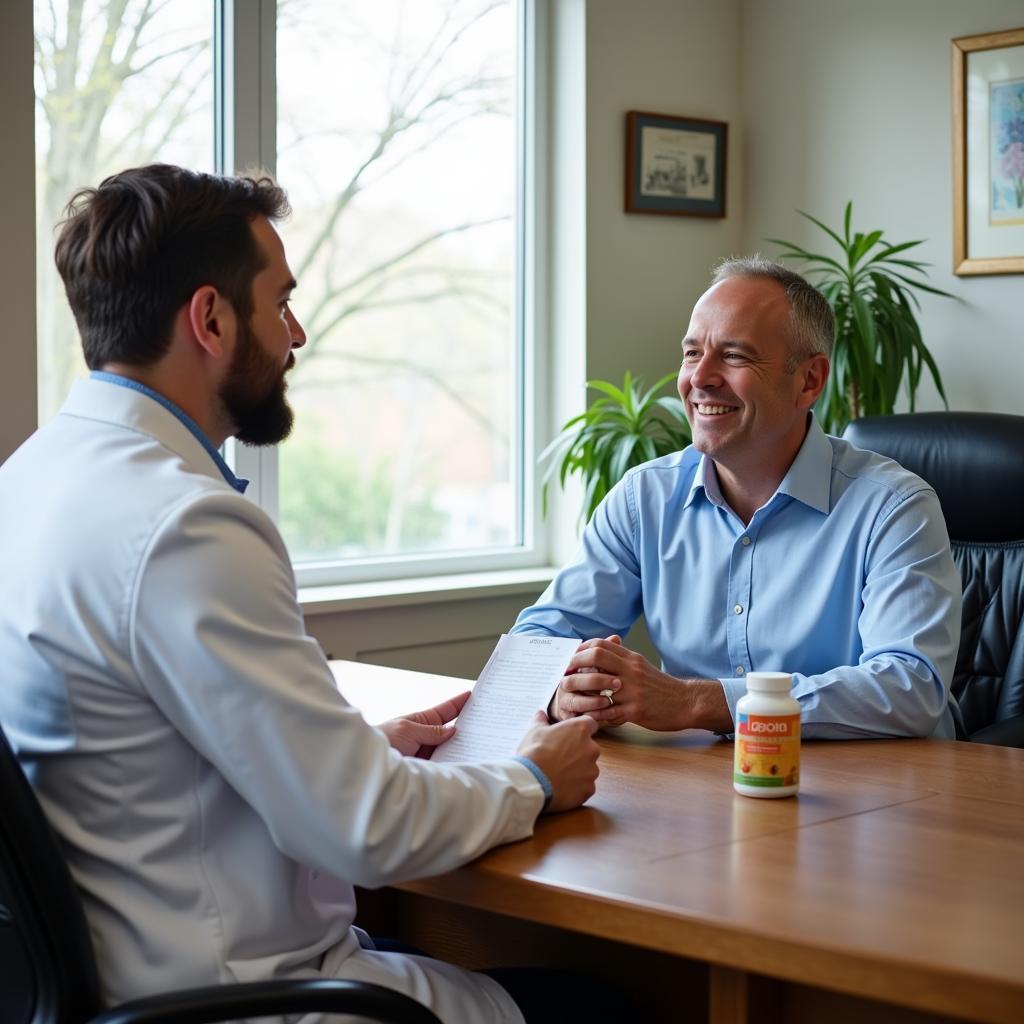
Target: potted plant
623,428
878,341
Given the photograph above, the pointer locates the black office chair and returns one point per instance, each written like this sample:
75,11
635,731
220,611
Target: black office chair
48,969
975,462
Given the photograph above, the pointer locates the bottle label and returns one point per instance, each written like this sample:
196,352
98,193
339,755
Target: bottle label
767,750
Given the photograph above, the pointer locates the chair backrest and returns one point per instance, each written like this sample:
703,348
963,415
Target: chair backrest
975,462
47,965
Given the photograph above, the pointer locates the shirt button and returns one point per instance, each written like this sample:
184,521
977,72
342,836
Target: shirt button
738,609
745,541
740,670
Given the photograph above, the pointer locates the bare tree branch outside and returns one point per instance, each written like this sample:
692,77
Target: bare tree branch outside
396,143
396,139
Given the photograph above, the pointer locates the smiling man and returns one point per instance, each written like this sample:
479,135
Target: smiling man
764,546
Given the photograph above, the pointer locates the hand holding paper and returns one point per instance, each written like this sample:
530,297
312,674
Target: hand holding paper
504,715
518,680
567,754
417,734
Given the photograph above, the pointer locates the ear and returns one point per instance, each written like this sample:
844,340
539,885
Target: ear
814,374
211,317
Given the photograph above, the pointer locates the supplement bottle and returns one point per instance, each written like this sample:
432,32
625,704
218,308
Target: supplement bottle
767,756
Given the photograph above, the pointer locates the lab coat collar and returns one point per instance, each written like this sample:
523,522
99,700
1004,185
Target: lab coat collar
109,398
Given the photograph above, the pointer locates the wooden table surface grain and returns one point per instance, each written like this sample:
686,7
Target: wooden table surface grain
896,875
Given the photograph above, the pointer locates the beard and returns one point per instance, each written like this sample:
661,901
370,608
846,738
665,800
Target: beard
253,393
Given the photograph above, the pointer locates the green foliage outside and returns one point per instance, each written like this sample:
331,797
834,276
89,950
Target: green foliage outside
329,507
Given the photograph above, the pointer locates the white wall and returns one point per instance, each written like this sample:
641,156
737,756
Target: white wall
452,635
645,271
17,268
847,100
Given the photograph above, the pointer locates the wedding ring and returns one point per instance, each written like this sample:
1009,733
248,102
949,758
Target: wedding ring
608,694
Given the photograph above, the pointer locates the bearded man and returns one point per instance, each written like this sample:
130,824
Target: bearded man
216,797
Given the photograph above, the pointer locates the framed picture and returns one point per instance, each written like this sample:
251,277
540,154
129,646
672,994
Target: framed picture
988,153
675,165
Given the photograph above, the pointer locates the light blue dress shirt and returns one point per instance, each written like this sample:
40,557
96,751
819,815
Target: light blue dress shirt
843,578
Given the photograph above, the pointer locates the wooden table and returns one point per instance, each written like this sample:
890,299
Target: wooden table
890,890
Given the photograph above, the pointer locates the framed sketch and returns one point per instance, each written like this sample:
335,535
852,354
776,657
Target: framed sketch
988,153
675,165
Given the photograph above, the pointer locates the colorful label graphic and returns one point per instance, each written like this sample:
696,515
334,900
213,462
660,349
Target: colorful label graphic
767,750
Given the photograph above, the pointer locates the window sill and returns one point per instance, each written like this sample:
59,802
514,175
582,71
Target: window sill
324,600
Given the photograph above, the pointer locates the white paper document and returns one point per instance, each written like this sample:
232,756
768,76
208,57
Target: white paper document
518,680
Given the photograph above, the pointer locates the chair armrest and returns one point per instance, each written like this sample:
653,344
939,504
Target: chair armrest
217,1003
1009,732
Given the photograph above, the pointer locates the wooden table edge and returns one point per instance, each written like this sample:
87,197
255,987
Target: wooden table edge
939,989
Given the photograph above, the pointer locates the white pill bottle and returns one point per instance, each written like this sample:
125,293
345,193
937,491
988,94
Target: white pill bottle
767,755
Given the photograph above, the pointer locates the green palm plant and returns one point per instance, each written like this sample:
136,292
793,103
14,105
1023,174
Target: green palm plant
621,429
878,341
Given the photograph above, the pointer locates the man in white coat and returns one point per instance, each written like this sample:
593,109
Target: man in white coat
216,797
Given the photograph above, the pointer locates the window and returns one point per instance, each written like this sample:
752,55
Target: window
396,137
399,135
111,92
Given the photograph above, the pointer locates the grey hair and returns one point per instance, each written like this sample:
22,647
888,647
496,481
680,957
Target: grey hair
812,327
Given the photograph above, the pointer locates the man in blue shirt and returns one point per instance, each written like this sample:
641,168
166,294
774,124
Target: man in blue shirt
764,546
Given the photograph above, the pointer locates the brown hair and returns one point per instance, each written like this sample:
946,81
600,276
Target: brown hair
812,325
133,251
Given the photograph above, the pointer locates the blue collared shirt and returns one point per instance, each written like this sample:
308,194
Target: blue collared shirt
239,483
843,578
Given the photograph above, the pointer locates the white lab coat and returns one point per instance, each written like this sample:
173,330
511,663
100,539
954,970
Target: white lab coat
217,798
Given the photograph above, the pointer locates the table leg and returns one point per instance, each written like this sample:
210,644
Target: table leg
738,997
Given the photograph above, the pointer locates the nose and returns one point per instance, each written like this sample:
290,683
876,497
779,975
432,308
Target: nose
705,372
298,335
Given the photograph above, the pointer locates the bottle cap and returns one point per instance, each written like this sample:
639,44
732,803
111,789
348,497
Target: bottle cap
770,682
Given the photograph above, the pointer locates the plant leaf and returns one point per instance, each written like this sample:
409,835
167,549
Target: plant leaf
674,407
891,250
861,246
796,252
923,287
606,387
878,345
828,231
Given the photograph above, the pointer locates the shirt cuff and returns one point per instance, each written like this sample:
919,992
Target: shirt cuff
733,688
545,782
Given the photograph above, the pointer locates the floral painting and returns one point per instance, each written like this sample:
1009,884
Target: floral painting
1007,153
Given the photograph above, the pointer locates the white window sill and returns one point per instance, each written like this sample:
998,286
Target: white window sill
323,600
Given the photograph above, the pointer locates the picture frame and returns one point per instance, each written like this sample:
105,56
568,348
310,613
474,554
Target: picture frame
675,165
988,153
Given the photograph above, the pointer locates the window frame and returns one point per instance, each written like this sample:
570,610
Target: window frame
245,137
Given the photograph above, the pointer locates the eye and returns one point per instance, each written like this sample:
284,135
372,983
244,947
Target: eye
691,355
